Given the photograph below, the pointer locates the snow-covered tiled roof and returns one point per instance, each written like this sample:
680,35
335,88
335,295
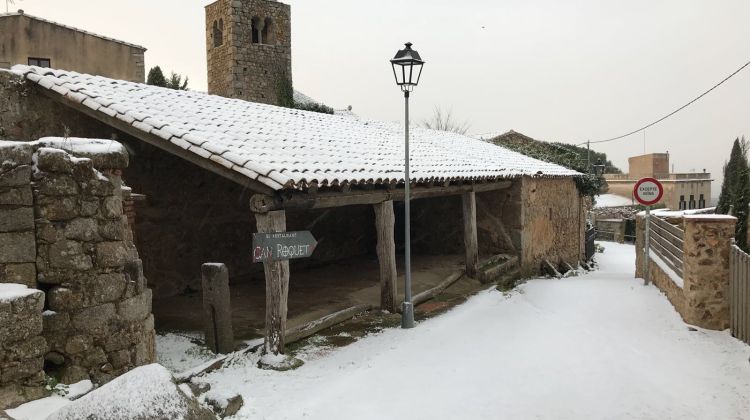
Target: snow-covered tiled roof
287,148
22,13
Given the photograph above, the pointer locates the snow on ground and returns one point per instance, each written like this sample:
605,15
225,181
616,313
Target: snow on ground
181,352
597,346
612,200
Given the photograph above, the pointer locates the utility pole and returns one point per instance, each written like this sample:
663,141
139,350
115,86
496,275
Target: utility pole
588,155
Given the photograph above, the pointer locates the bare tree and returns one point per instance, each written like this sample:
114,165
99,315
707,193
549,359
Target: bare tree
443,120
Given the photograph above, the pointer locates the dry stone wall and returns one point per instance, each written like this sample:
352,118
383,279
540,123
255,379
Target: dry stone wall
99,321
17,244
22,346
63,206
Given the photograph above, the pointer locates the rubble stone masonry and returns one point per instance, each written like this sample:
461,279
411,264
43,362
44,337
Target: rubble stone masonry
703,299
63,231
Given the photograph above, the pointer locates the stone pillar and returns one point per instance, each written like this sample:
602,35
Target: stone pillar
707,247
98,323
217,308
22,346
17,242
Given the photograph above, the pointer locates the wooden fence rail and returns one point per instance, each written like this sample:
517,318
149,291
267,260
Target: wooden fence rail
739,294
667,242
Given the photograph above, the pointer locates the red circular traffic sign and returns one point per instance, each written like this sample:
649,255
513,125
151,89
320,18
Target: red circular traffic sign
648,191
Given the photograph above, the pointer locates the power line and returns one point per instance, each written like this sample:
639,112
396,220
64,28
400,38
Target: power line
671,113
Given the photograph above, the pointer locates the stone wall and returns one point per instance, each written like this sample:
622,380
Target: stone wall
553,223
611,230
22,346
97,320
702,299
17,243
241,68
26,114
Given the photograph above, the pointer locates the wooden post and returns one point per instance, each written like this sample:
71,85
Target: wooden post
385,221
217,308
470,233
277,285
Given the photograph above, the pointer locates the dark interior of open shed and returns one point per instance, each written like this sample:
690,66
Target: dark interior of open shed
191,216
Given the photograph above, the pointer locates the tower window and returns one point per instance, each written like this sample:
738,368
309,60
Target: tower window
257,30
269,32
218,33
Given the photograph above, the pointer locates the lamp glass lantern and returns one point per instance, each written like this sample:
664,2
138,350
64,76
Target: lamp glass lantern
599,168
407,68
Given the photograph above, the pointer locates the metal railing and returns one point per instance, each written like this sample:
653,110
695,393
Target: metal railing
739,294
666,241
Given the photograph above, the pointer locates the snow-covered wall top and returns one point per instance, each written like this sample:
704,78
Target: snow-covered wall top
286,148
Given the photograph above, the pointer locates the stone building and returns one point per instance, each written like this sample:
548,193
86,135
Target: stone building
682,191
26,39
249,50
73,299
214,170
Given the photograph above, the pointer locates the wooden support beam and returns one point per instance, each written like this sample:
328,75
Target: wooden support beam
431,293
385,222
470,233
314,327
277,286
323,200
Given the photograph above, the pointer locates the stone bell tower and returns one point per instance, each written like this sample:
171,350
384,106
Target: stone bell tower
249,50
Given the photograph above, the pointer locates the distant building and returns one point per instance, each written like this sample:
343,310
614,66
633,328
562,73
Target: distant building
249,50
682,191
29,40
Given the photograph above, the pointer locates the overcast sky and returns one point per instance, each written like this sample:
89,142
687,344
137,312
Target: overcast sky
554,70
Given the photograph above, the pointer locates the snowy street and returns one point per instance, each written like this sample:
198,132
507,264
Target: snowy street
598,346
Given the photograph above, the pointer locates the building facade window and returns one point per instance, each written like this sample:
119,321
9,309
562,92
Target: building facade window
683,204
691,205
218,33
40,62
702,202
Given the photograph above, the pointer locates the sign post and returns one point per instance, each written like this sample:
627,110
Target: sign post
647,191
282,246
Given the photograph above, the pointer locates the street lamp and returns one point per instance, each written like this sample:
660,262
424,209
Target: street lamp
599,168
407,68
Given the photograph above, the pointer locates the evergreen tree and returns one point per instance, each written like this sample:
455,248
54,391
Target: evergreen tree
156,77
175,82
735,191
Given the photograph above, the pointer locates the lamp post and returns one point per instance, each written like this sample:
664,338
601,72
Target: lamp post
407,68
599,168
